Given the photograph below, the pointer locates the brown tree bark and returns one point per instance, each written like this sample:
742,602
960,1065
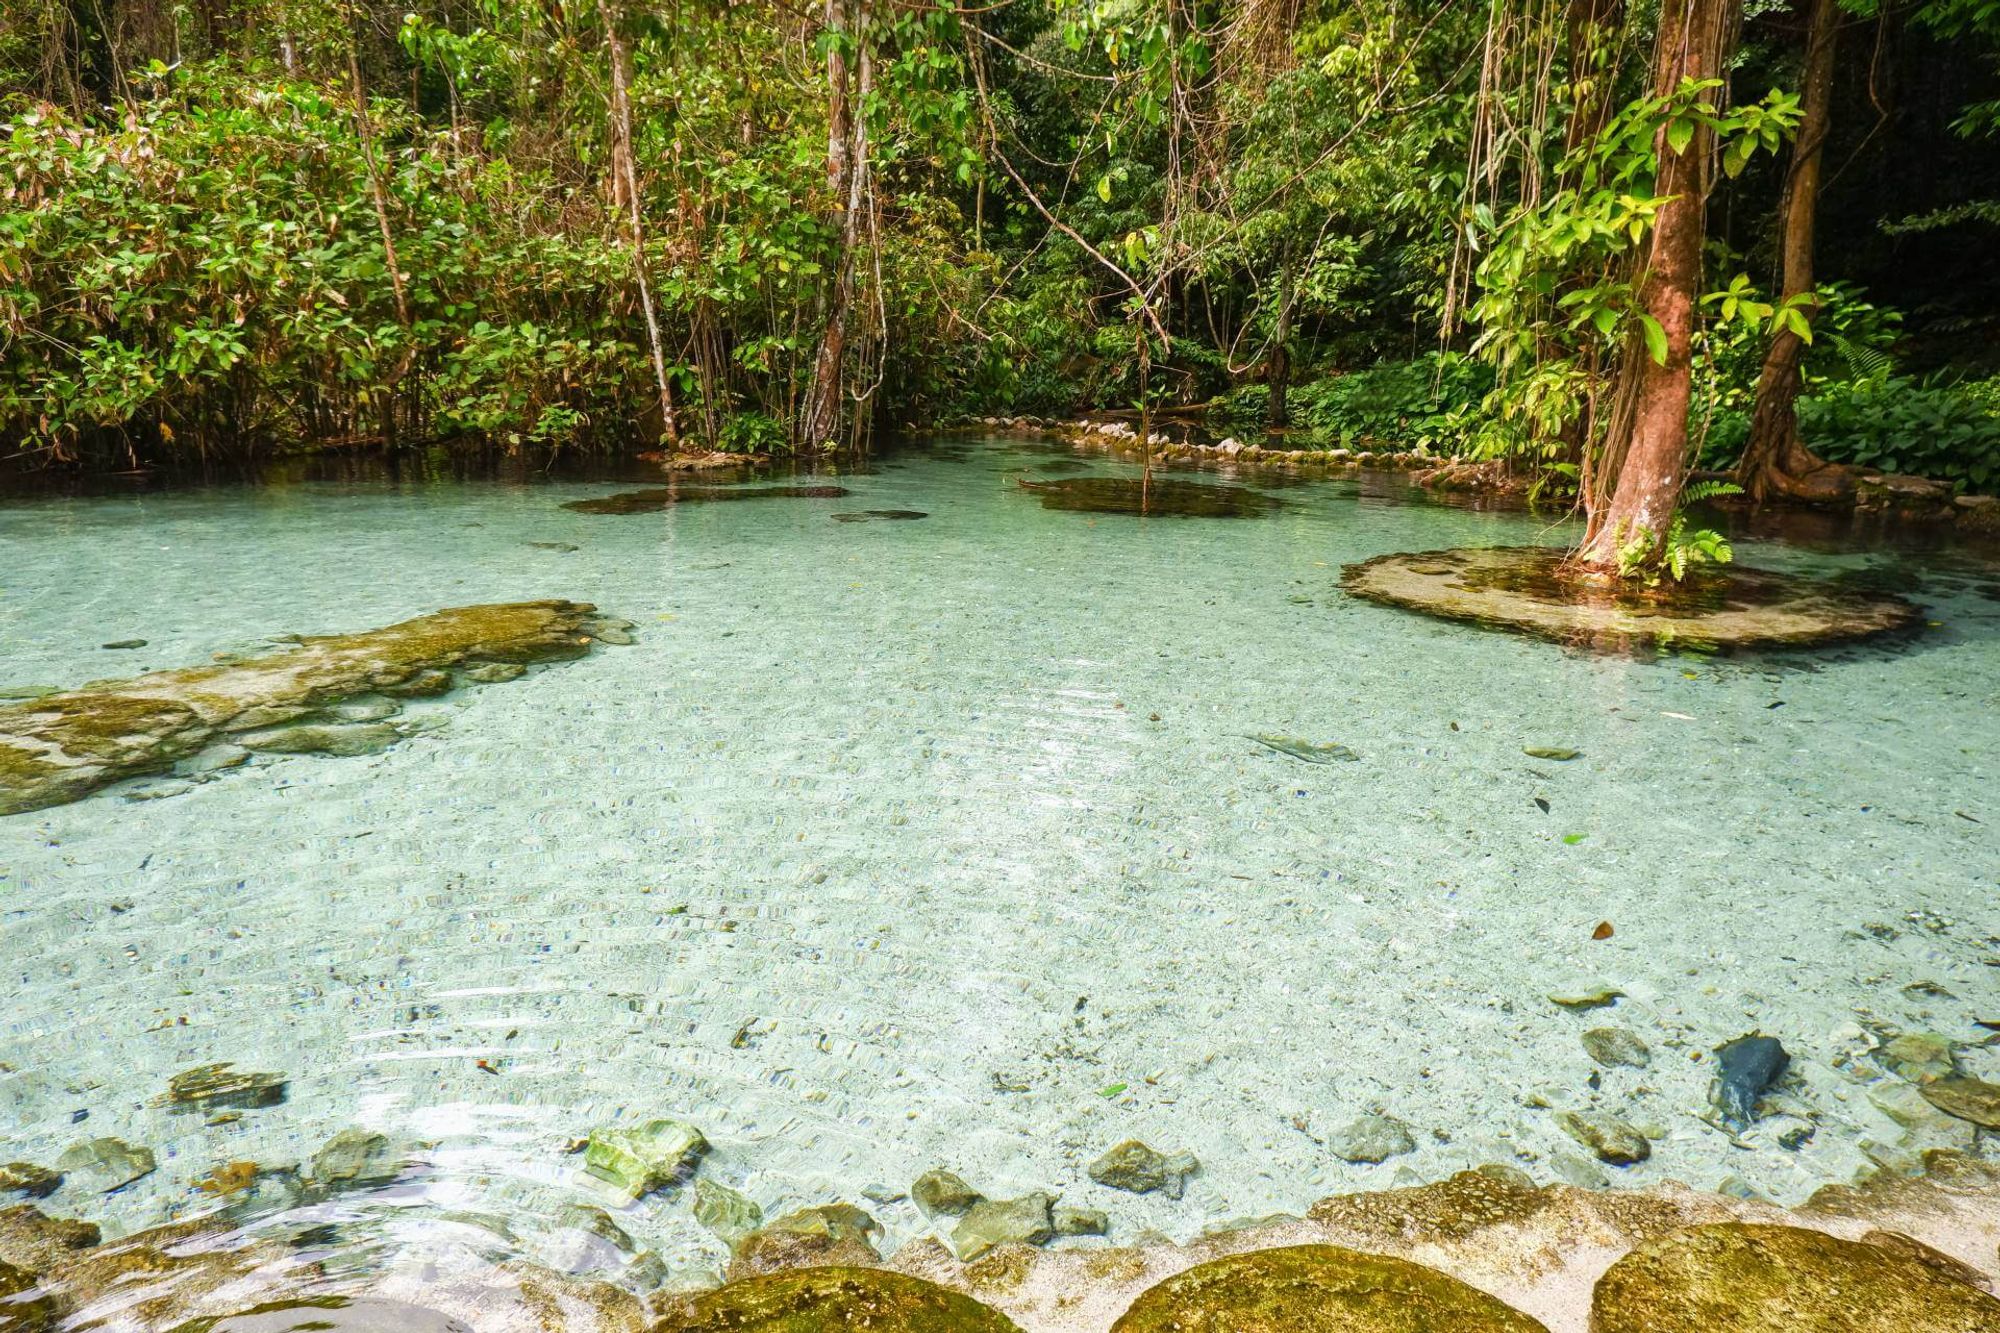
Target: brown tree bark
1278,412
1776,463
627,192
1635,486
823,418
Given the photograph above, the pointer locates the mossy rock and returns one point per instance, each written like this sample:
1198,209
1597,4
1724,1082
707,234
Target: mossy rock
820,1300
1317,1289
62,747
1530,590
1740,1277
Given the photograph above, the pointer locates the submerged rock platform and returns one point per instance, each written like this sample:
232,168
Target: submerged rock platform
1524,589
63,746
1480,1252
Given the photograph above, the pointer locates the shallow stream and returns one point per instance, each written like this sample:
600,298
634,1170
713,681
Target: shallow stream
944,841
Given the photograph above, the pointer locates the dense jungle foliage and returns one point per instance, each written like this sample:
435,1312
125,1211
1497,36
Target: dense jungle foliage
234,226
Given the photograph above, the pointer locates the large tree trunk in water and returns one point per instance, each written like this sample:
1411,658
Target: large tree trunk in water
1644,460
1776,462
823,418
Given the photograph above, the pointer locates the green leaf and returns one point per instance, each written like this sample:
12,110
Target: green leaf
1572,839
1680,133
1112,1091
1656,339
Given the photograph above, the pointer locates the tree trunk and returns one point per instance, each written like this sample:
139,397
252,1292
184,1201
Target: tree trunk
364,129
1776,462
1278,411
1644,460
822,419
627,191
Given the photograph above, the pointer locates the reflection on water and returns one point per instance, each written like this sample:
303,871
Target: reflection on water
949,844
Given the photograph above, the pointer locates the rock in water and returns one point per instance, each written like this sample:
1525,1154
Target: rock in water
1606,1135
107,1164
1026,1220
731,1216
335,1314
1317,1289
1918,1056
823,1300
355,1156
1746,1069
834,1233
1370,1139
64,746
1972,1099
1612,1047
936,1192
1138,1169
639,1159
1738,1277
1080,1222
221,1086
25,1178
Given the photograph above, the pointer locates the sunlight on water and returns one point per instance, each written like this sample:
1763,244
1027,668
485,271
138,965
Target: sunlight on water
947,842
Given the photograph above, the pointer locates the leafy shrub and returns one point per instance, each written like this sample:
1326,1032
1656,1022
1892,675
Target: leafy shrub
1399,405
1930,427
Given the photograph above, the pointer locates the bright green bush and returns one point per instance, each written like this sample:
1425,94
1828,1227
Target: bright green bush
1399,405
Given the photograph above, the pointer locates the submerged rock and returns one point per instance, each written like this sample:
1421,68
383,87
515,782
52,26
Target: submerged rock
1918,1057
828,1299
219,1086
355,1156
834,1233
1970,1099
1613,1047
1527,589
343,739
1745,1070
1080,1222
64,746
730,1215
1163,497
993,1222
1372,1138
1317,1289
652,501
107,1164
1750,1278
1138,1169
29,1180
1588,995
639,1159
936,1192
1610,1138
335,1314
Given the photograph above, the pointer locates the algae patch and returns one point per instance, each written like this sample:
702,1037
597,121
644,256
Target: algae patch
63,746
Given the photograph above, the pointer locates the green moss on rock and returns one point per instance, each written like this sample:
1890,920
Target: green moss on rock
62,747
1317,1289
1750,1278
822,1300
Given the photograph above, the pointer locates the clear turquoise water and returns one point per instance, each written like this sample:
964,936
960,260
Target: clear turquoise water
894,845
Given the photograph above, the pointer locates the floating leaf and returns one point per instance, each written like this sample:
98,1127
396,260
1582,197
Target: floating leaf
1556,753
1572,839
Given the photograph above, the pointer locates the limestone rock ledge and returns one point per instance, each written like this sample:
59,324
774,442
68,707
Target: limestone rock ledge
61,747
